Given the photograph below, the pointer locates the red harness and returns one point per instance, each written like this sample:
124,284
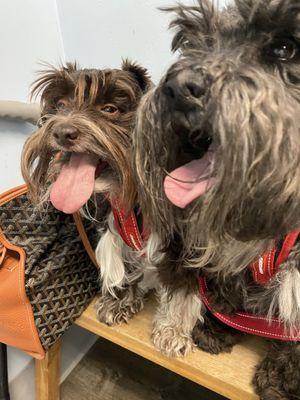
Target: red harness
127,226
262,271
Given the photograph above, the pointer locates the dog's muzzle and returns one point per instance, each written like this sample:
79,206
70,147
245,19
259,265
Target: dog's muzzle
182,91
183,97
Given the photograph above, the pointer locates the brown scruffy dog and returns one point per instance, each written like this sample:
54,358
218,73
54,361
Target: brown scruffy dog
83,148
224,126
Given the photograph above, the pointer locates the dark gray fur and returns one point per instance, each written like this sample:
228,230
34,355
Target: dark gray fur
250,106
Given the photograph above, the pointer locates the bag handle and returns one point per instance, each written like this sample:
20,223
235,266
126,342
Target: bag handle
3,251
85,239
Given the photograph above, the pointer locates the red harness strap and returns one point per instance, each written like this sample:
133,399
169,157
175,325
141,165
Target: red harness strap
265,268
127,226
262,271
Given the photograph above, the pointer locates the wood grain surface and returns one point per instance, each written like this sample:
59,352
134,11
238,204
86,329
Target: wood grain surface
227,374
47,374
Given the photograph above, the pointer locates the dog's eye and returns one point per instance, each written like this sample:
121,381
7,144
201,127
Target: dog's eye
282,49
111,109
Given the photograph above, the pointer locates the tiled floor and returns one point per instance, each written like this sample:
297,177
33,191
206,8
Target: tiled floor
109,372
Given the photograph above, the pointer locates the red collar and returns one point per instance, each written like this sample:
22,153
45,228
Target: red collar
127,226
262,271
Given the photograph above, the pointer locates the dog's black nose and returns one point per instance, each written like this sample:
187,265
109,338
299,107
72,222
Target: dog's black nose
65,134
182,92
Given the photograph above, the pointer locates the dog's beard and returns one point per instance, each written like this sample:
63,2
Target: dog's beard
98,162
255,194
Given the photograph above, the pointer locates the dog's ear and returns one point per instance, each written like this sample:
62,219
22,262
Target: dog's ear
140,74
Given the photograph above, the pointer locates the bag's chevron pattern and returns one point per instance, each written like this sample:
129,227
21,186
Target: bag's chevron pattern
60,278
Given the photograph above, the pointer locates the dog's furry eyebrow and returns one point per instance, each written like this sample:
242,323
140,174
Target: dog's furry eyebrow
119,84
52,77
197,26
122,85
87,86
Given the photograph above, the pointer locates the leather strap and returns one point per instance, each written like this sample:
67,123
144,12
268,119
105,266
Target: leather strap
287,246
258,325
127,226
3,251
85,239
12,194
263,269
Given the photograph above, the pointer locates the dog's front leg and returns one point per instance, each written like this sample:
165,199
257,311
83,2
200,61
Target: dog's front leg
121,297
177,314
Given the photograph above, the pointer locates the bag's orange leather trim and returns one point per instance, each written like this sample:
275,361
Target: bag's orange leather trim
84,238
17,326
12,194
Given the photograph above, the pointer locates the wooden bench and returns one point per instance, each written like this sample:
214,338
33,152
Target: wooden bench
226,374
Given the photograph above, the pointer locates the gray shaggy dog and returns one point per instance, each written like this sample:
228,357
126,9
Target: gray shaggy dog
220,138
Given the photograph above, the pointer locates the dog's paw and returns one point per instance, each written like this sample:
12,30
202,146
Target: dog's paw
213,338
113,311
171,341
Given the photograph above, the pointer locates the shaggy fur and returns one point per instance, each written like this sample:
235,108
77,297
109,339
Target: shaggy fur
174,321
233,97
92,112
99,105
127,275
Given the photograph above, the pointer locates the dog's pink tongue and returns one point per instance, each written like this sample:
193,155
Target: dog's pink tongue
196,182
75,183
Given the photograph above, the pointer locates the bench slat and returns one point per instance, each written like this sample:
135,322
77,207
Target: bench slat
227,374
